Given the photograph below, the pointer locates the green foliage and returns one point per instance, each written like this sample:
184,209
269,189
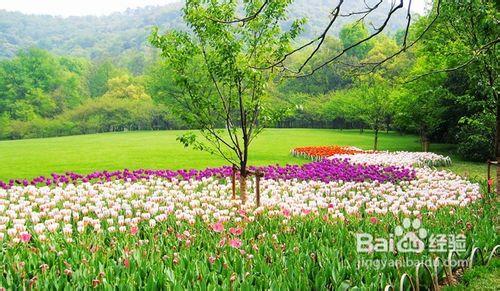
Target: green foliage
120,37
99,76
38,89
125,87
461,39
332,77
103,114
475,138
42,95
353,33
219,71
37,84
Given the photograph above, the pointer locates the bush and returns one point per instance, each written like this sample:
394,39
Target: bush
94,116
476,138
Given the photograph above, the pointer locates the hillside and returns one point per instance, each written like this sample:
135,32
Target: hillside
121,35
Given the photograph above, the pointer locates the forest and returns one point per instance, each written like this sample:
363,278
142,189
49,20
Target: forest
46,93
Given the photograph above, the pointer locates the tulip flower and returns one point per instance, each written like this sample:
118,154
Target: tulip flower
218,227
235,243
236,231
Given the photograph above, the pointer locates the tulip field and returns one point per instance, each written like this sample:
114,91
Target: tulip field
180,229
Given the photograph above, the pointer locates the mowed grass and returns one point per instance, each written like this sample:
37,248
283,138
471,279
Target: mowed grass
160,150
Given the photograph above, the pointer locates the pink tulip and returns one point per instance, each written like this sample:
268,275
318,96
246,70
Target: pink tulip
222,242
211,259
218,227
490,182
236,231
134,230
235,243
286,212
373,220
25,237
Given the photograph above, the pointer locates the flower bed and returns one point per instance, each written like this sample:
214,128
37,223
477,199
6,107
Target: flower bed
385,158
319,152
154,229
416,159
326,170
120,206
147,235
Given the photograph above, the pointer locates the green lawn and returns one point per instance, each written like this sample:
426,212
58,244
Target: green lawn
159,149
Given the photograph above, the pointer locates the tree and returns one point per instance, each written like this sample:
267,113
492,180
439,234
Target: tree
99,76
353,33
466,39
219,75
375,98
418,109
36,83
377,87
126,88
345,106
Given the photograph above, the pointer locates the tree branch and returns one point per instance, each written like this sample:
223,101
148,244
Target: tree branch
321,38
377,31
463,65
365,12
405,47
245,19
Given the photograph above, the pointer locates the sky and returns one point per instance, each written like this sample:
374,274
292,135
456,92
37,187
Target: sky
99,7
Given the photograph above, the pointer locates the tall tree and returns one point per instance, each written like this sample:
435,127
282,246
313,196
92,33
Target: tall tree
376,103
465,38
219,71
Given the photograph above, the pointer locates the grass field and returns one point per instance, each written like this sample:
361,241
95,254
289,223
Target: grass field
159,149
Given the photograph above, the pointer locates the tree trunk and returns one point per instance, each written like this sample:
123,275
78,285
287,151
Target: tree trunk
426,145
243,171
497,141
375,144
424,140
243,187
491,80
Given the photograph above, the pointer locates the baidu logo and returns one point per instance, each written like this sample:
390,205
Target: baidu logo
410,237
